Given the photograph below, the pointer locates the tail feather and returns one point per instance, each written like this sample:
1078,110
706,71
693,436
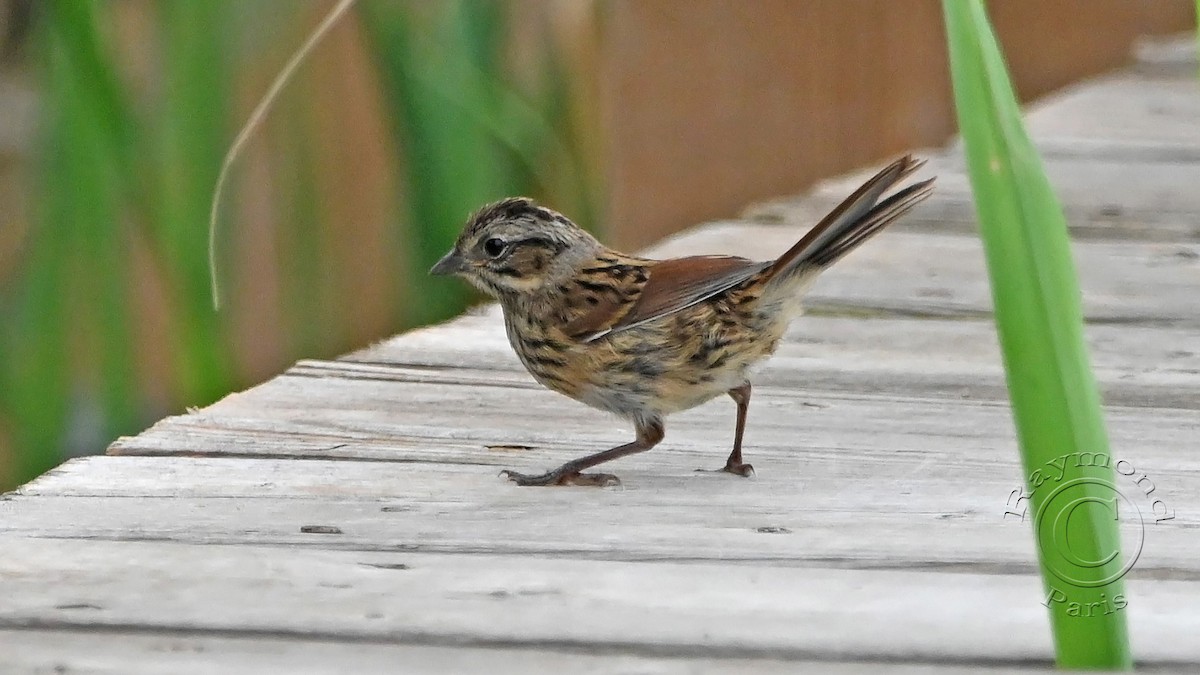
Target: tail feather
856,219
876,219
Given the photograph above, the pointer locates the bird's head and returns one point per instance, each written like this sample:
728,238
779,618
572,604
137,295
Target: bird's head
515,247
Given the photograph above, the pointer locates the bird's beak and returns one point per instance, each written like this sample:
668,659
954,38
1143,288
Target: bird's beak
450,264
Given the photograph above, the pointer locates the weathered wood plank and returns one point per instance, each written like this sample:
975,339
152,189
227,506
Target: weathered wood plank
1141,198
1162,57
1120,116
1135,365
851,510
93,650
431,415
1138,201
940,274
656,609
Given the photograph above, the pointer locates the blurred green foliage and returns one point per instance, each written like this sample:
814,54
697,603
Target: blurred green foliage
117,170
467,135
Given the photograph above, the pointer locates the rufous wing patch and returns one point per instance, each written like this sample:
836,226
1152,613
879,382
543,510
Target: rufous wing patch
671,285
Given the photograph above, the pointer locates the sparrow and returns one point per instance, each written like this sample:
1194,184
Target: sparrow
643,338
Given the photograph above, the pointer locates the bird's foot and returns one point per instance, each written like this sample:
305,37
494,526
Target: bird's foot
557,477
736,468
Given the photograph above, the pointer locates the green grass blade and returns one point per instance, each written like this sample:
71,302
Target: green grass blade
37,380
307,288
451,159
72,290
88,191
196,81
468,136
1056,406
75,24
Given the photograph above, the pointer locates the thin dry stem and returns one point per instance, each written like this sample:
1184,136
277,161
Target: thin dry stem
256,118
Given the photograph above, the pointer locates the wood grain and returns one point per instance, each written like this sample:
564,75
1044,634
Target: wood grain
100,651
917,510
598,607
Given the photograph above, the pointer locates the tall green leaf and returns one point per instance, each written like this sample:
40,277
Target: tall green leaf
192,136
306,288
1055,402
468,136
448,157
73,288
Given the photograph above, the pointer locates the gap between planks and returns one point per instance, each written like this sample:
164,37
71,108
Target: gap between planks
652,609
121,652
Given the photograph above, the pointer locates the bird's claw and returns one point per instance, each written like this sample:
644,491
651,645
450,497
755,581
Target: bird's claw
561,478
738,469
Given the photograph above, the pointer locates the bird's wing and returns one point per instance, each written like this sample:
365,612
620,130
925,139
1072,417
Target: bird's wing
670,286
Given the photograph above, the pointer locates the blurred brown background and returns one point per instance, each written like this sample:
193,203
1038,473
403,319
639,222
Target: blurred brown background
637,117
710,105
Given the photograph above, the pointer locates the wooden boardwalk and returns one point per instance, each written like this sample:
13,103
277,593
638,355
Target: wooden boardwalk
347,515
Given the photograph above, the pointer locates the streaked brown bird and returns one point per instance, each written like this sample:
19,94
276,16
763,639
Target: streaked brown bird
646,338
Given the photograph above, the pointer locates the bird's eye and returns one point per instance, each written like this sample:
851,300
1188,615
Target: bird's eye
494,247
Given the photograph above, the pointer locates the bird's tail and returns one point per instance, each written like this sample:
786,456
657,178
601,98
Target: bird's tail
856,219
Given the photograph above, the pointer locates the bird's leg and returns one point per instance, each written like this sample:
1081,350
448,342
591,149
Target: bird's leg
649,433
735,465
